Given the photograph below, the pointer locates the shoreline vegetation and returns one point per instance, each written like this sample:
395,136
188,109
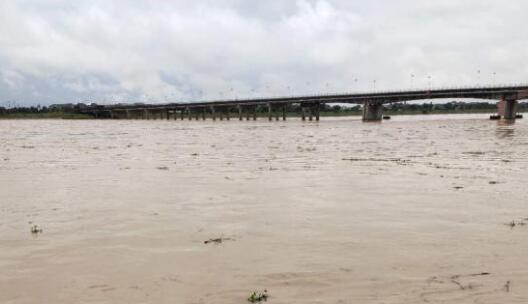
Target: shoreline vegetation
66,112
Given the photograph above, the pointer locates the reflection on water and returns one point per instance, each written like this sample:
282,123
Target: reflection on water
412,210
505,128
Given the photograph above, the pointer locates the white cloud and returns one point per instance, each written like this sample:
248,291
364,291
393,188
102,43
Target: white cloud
68,51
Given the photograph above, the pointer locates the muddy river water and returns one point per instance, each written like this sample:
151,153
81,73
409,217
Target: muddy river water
412,210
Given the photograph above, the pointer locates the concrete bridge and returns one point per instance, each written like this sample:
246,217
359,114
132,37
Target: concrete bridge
506,96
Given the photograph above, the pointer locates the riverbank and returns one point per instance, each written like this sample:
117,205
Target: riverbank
45,115
72,115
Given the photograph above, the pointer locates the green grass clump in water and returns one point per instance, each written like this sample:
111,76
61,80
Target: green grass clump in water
257,297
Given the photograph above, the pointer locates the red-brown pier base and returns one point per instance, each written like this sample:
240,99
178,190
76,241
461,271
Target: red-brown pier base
508,109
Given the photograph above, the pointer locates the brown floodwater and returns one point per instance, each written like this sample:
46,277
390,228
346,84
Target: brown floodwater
411,210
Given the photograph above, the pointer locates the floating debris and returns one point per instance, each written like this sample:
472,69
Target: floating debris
162,168
493,182
35,229
454,280
395,160
257,297
514,223
218,240
458,187
474,153
507,286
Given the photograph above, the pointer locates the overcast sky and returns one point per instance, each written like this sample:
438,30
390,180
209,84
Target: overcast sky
56,51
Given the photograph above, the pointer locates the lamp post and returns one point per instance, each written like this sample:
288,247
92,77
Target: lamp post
494,78
430,82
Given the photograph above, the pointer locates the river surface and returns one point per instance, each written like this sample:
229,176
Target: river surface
412,210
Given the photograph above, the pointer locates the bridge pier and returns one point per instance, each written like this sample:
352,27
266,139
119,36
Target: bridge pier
127,113
240,116
315,108
228,116
270,114
508,109
283,112
372,111
213,113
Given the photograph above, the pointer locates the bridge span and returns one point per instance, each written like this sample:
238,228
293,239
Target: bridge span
372,103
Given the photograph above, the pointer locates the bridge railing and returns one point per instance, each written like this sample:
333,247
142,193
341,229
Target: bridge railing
367,92
337,94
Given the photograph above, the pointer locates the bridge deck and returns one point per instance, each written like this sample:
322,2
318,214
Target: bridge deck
497,93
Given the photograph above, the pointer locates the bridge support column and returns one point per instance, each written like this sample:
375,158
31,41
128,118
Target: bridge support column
127,113
203,114
228,116
240,116
111,114
270,114
146,114
182,112
310,113
316,108
508,109
189,114
247,114
372,111
167,114
213,113
283,112
303,113
255,113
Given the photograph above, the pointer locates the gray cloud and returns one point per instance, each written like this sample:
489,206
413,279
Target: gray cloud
70,51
